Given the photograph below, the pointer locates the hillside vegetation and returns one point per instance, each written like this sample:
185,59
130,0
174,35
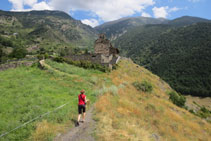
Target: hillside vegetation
126,113
51,30
27,92
117,28
179,55
133,103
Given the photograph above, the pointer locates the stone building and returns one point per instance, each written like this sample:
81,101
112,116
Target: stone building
105,54
104,47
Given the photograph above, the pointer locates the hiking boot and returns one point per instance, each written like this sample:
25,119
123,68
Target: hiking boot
77,123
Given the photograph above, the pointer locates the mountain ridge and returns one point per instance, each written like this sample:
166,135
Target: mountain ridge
45,28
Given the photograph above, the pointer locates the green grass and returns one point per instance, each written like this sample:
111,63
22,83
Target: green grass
71,69
27,92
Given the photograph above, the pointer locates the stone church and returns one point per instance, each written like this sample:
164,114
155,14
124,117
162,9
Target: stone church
104,47
105,54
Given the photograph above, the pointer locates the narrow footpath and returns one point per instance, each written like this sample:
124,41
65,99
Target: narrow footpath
83,132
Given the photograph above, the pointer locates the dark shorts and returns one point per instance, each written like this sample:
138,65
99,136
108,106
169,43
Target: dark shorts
81,108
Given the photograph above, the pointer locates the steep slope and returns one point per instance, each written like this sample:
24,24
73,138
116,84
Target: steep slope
177,55
124,113
45,29
115,29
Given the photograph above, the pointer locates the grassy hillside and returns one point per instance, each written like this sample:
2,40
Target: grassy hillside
128,114
27,92
180,56
122,112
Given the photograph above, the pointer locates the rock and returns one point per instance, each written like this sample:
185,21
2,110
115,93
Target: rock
155,137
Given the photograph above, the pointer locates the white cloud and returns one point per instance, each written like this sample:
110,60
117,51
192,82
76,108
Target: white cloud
18,5
163,12
160,12
106,10
145,14
41,6
29,2
91,22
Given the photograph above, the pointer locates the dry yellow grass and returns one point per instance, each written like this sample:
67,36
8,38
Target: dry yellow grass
135,115
200,101
46,131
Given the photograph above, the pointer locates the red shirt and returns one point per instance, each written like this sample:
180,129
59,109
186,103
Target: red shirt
81,99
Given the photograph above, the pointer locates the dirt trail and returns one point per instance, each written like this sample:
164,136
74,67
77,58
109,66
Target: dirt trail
81,133
43,64
84,131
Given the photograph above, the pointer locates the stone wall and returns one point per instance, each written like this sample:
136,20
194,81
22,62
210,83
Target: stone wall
101,48
102,45
94,58
15,65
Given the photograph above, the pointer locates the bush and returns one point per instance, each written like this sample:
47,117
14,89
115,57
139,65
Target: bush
204,110
40,56
177,99
18,53
58,59
144,86
1,54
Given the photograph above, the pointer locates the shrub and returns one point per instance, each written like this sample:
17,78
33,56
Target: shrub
191,111
177,99
144,86
58,59
18,53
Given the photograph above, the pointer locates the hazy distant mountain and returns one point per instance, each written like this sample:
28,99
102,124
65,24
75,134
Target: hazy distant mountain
115,29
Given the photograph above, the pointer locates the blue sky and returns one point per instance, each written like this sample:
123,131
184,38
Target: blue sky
95,12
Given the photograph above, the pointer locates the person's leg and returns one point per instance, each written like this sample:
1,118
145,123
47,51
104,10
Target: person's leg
84,114
79,116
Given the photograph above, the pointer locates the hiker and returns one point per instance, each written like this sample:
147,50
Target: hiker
81,106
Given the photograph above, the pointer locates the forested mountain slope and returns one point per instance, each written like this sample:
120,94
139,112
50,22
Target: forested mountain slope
117,28
187,20
181,56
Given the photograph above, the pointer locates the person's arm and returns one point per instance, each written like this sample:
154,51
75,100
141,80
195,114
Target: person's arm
85,99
